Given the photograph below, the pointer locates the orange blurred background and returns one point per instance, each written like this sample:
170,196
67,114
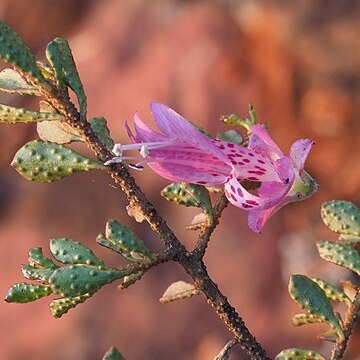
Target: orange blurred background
298,64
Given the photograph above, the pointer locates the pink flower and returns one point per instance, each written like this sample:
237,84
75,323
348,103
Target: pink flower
182,153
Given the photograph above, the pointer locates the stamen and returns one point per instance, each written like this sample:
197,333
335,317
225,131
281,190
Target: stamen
144,151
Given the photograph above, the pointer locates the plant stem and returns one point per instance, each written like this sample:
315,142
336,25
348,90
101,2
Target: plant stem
351,317
176,250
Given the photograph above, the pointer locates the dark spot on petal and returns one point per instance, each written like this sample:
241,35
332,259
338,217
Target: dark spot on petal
246,160
201,182
253,178
261,161
251,154
246,206
260,168
252,202
232,188
233,197
239,192
230,145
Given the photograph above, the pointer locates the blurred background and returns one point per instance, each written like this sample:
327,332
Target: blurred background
297,62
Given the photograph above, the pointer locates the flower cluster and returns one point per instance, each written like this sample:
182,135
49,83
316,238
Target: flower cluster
182,153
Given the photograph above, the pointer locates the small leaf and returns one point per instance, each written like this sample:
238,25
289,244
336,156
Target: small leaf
23,293
302,319
36,258
113,354
198,221
130,280
75,280
340,254
69,251
329,335
350,289
224,354
46,162
177,291
36,273
59,307
12,115
59,55
349,238
126,242
98,124
231,136
12,82
299,354
14,51
342,217
312,298
189,195
332,292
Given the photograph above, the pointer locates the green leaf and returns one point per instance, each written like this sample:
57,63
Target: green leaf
12,82
99,125
332,292
340,254
177,291
59,307
231,136
69,251
36,273
23,293
299,354
349,238
15,52
113,354
312,298
121,239
302,319
189,195
36,258
43,161
75,280
59,55
342,217
12,115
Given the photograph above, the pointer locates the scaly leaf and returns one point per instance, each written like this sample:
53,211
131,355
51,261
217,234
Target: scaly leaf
36,273
299,354
15,52
342,217
23,293
312,298
340,254
12,82
46,162
303,319
69,251
12,115
189,195
177,291
76,280
59,55
59,307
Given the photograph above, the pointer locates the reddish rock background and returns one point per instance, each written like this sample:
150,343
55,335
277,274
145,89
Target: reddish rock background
298,64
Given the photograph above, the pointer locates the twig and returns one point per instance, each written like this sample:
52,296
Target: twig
226,349
176,250
205,234
351,317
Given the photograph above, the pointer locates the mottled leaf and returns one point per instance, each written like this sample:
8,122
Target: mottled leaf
303,319
59,307
177,291
189,195
12,115
23,293
59,55
332,292
75,280
15,52
69,251
99,125
299,354
312,298
342,217
12,82
36,273
340,254
36,258
46,162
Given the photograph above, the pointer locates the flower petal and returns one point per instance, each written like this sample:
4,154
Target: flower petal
261,142
174,126
299,151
